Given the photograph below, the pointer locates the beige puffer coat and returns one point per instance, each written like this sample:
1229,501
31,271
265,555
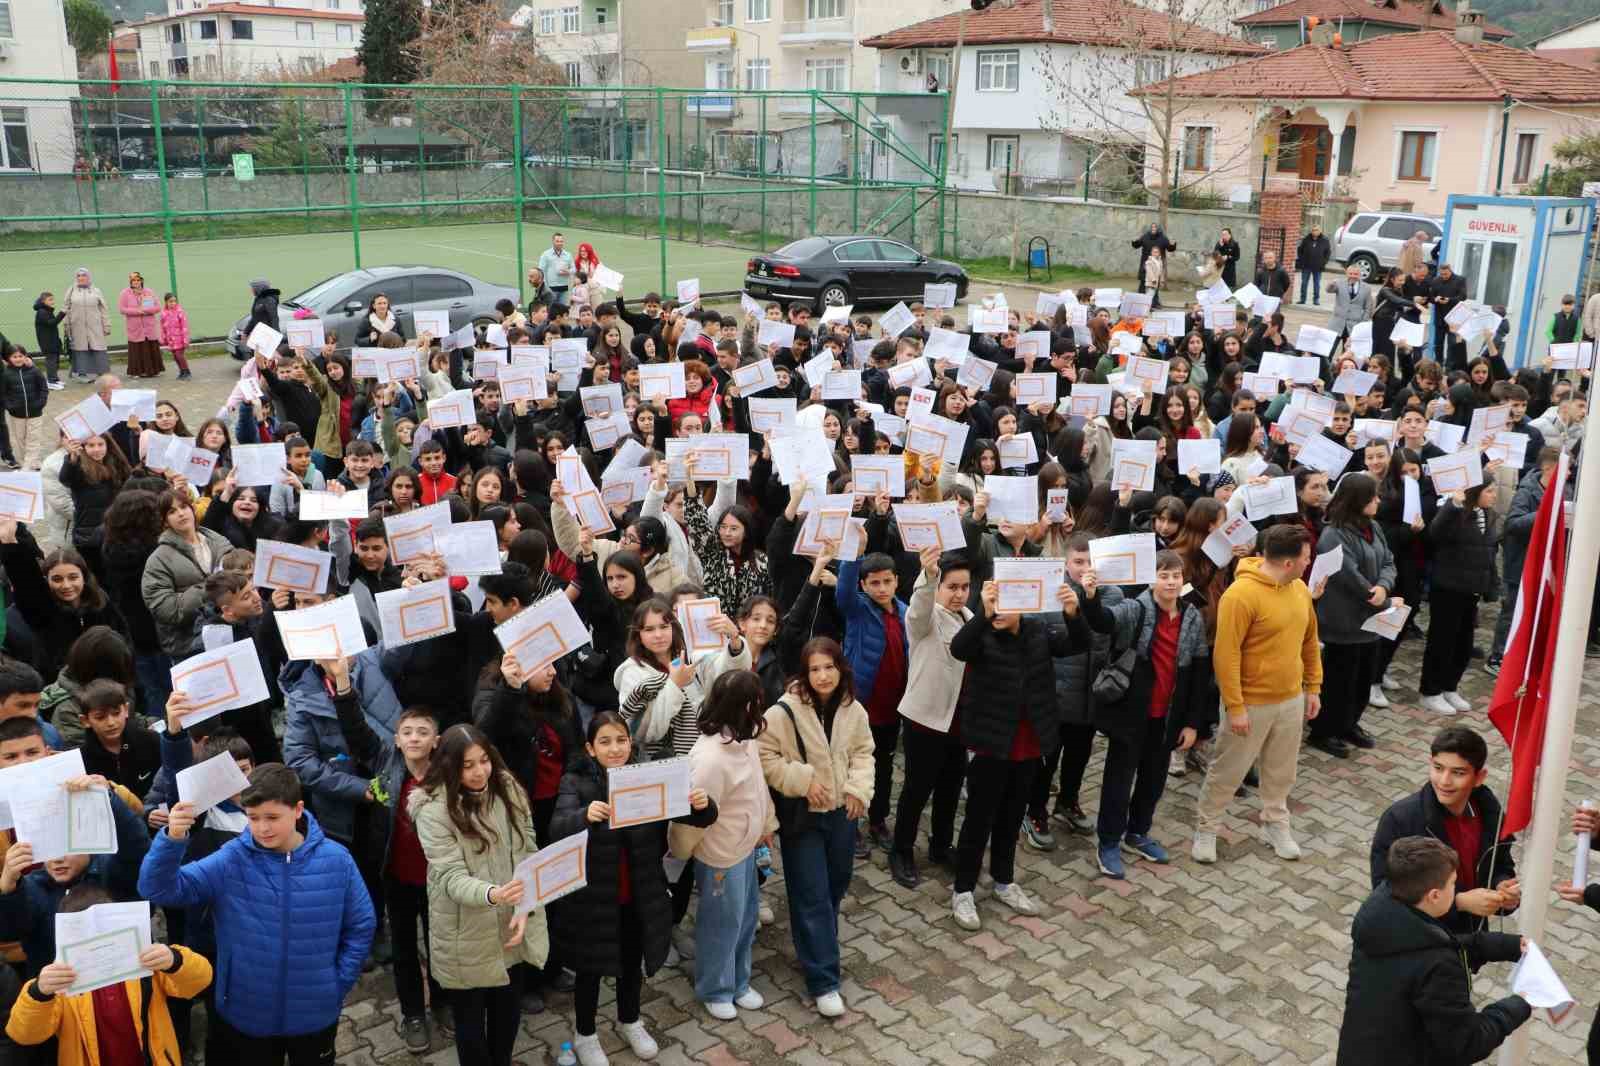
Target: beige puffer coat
844,766
466,936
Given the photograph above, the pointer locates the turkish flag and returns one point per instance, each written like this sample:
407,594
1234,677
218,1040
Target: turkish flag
115,76
1521,697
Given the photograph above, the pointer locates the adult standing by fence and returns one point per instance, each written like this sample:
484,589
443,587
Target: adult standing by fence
88,325
141,314
557,264
1309,260
1148,240
1228,248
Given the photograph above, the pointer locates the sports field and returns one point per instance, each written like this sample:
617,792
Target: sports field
213,277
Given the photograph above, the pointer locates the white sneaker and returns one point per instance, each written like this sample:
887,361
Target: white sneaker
1388,681
749,999
723,1012
1438,705
54,386
1013,896
831,1004
1176,767
965,909
1375,697
1282,842
1455,700
640,1042
672,956
765,914
589,1051
1204,848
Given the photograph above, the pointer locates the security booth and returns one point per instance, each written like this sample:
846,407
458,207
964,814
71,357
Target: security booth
1522,253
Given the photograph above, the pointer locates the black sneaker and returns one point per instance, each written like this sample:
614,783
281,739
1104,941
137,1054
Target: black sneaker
903,868
1331,745
1360,738
1252,779
1073,817
863,845
444,1021
185,375
1476,652
532,1001
945,856
1491,666
415,1033
881,836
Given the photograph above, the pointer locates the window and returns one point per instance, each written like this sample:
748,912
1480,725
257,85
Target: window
440,287
938,68
719,74
344,33
936,150
242,30
571,21
5,19
824,9
305,31
155,69
208,29
827,75
998,71
600,16
14,153
1397,229
857,252
331,5
1523,171
724,13
1197,141
1417,150
574,73
208,64
178,68
757,73
1149,70
547,20
175,33
1004,154
757,10
891,252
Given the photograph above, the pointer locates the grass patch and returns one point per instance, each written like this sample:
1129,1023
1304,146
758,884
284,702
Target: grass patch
998,268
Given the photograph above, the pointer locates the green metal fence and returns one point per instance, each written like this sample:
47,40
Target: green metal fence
179,161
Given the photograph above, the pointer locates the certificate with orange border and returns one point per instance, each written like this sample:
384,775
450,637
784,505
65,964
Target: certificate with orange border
538,648
557,870
1035,388
409,615
210,685
1132,473
924,439
591,511
308,643
294,574
21,503
220,680
411,544
648,792
695,617
1299,423
1129,559
711,461
870,480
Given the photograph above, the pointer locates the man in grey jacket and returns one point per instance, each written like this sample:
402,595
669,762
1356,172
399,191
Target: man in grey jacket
1352,302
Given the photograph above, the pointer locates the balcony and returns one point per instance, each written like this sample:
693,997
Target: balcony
710,39
710,106
805,33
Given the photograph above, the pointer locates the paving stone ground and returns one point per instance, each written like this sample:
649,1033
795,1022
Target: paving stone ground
1242,962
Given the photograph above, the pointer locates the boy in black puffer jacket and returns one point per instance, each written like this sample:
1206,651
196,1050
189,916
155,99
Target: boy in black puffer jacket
24,392
47,331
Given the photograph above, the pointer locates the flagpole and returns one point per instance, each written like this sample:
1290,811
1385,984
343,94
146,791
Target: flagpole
1550,821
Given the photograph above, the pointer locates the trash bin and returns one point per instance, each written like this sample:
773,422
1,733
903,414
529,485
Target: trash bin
1036,258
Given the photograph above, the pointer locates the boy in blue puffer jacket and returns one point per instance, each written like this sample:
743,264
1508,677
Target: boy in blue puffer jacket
879,651
292,919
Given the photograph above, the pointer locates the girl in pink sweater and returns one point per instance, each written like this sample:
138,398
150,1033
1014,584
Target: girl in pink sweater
175,333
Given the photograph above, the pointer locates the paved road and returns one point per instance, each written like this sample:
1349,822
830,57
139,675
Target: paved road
1243,962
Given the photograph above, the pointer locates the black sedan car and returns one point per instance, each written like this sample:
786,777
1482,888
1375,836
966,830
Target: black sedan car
859,270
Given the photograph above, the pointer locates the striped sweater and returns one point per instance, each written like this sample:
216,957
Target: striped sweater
665,719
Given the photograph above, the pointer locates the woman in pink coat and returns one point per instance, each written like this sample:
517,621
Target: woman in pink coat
141,313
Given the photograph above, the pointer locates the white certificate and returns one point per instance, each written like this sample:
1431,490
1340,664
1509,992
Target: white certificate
1220,544
88,418
931,434
1262,306
937,296
1354,383
946,344
1126,560
688,290
1217,293
771,332
589,508
1200,456
1382,430
1407,332
453,409
330,630
58,822
606,278
817,368
1508,447
756,377
897,320
912,374
605,433
1456,472
1133,465
103,943
51,770
198,467
489,365
525,384
1276,496
22,496
1142,369
1035,388
364,361
433,323
206,784
1446,436
982,319
1245,294
695,617
842,385
421,612
530,355
769,413
398,364
258,464
331,506
891,426
1487,420
309,334
1389,623
1320,453
280,565
1411,508
415,533
1019,449
1360,343
141,402
470,549
1315,339
1012,499
1055,504
1089,401
662,381
929,525
1326,565
221,678
1035,344
976,373
1221,315
872,474
802,452
543,633
1461,312
264,339
1575,356
1300,424
463,338
1028,585
827,520
648,792
558,869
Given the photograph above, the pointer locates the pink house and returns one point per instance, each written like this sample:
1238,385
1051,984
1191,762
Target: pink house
1406,118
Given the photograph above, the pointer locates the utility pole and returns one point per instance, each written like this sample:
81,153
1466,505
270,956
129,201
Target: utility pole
950,105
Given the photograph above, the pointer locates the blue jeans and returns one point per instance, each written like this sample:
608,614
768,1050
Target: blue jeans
816,871
725,929
154,676
1314,279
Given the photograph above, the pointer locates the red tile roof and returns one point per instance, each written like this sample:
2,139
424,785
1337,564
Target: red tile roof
1401,66
1075,22
262,10
1411,14
1578,57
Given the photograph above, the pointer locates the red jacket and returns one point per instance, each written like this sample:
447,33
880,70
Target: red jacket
435,488
695,403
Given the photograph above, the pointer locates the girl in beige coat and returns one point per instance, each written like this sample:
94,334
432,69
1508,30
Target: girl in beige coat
818,745
475,826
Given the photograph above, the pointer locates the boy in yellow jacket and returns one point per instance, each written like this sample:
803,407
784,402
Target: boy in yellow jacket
126,1022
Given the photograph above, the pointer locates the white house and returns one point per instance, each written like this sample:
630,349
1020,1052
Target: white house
36,120
1578,43
229,41
1041,88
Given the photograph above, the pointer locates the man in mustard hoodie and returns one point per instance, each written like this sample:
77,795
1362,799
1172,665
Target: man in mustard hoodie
1269,671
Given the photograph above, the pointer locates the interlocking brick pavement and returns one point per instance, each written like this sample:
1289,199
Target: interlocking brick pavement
1240,962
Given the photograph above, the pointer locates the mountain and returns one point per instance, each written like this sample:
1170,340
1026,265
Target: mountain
1533,19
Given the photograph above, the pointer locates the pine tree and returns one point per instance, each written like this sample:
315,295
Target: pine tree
388,45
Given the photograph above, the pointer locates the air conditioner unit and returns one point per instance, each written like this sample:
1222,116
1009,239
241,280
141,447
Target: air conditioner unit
911,62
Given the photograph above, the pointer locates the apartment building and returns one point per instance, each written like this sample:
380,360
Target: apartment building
230,41
36,120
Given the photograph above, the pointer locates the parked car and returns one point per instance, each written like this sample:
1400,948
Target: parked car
861,270
1372,239
341,300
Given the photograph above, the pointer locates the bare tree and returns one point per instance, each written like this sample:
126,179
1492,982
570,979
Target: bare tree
1119,97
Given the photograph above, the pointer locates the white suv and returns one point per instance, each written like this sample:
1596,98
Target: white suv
1371,240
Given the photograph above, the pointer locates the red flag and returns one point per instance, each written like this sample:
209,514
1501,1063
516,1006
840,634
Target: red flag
115,77
1522,692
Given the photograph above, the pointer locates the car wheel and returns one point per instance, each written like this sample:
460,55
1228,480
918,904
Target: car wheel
834,293
1365,264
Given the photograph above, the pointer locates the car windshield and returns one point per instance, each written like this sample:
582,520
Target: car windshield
804,248
313,295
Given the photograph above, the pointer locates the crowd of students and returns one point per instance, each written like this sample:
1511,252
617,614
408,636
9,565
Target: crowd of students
393,793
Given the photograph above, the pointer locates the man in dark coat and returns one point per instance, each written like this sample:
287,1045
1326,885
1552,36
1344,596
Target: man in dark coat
1455,806
1151,238
263,309
1447,289
1272,279
1228,248
1409,998
1310,258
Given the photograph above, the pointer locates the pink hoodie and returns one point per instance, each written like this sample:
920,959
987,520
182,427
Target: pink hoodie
175,328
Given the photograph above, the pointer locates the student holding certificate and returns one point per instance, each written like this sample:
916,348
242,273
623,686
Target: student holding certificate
621,920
